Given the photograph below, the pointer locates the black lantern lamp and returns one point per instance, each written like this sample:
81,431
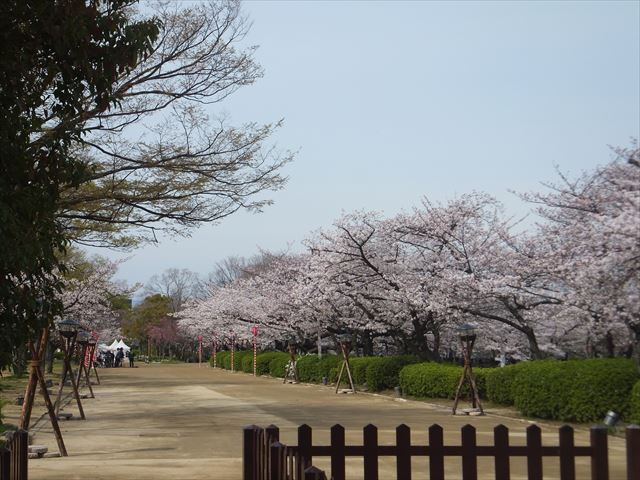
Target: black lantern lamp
466,332
83,337
291,369
467,335
69,331
68,328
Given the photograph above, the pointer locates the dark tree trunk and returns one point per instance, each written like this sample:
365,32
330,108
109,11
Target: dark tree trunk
49,355
19,360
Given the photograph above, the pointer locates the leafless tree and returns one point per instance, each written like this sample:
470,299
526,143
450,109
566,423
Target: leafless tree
157,161
178,285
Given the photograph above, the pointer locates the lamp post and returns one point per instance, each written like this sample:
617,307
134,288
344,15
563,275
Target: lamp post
36,377
291,370
83,340
467,336
93,344
254,333
68,331
214,342
233,351
345,340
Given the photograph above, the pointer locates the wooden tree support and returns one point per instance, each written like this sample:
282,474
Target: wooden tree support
92,363
36,377
467,374
346,348
291,369
68,346
83,369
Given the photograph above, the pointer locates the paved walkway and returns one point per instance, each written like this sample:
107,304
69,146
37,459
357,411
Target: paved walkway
184,422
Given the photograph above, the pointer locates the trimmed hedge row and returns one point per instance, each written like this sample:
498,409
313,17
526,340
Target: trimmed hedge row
634,404
438,380
575,390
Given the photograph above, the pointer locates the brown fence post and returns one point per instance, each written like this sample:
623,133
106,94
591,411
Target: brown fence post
599,453
304,447
276,461
403,455
436,452
370,444
567,456
250,452
337,452
534,452
633,452
469,454
272,434
501,442
5,459
314,473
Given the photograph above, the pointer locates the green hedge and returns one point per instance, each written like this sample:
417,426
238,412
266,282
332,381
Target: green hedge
264,359
247,363
634,404
437,380
500,383
220,359
358,366
312,369
277,365
383,372
574,390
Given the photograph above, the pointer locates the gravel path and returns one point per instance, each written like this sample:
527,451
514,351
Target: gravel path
184,422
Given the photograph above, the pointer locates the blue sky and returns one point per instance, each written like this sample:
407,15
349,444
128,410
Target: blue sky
389,101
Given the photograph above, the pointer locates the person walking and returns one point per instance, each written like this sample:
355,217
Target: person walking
130,355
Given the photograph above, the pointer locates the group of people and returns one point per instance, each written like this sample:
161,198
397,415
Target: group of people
108,359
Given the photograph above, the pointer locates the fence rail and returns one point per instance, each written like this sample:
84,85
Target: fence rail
265,458
14,458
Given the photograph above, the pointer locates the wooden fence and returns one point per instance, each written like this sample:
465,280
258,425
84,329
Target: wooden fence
14,459
265,458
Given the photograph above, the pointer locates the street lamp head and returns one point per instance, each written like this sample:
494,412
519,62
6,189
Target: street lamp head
83,337
466,332
68,328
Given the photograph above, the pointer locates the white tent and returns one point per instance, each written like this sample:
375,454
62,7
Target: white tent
119,344
124,346
114,346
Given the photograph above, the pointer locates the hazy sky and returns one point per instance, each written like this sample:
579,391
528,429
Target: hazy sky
389,101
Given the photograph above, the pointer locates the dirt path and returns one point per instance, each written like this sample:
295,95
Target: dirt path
184,422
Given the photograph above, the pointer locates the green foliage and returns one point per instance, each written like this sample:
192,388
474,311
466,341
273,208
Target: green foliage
358,366
238,358
575,390
222,359
247,363
278,364
312,369
634,404
500,383
383,372
437,380
264,359
58,60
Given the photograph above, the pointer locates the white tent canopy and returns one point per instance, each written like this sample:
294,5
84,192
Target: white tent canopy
118,344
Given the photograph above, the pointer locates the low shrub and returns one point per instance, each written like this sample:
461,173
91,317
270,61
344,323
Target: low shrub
247,363
238,356
312,369
634,404
221,359
500,383
383,372
278,364
263,360
437,380
358,367
574,390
